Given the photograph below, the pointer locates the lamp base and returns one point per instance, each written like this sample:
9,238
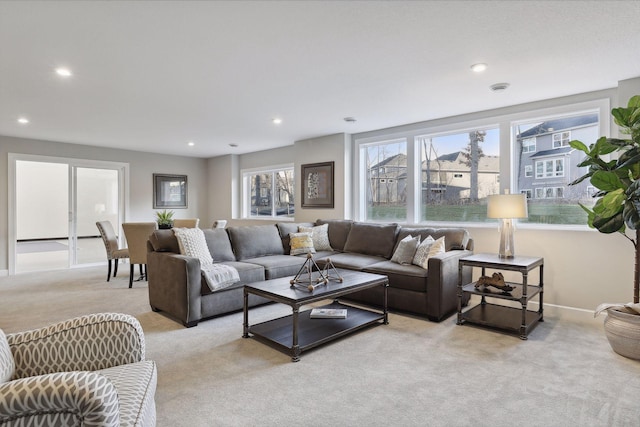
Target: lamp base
507,249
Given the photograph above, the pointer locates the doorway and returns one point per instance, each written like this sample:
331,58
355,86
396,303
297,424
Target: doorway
56,205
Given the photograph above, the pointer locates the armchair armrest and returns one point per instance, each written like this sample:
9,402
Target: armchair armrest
65,398
85,343
442,283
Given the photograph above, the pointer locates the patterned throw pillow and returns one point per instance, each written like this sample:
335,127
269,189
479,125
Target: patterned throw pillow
428,248
192,243
301,243
406,250
7,365
320,236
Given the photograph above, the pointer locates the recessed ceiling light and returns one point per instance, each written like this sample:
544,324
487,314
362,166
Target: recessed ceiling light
191,143
63,72
23,120
478,68
277,121
499,87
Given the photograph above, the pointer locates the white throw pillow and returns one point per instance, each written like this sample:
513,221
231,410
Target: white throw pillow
193,243
301,243
320,236
406,250
428,248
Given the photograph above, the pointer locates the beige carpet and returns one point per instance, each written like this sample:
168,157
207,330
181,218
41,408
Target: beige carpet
411,372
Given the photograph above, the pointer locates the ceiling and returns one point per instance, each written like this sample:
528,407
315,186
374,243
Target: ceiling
152,76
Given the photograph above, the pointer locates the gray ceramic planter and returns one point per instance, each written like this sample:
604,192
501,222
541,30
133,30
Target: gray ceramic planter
623,333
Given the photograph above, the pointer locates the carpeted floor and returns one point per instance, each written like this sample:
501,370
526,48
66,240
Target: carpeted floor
411,372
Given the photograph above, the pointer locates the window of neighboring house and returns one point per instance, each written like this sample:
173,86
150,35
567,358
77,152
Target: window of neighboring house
529,145
540,193
528,171
473,156
549,168
527,193
386,199
269,193
561,139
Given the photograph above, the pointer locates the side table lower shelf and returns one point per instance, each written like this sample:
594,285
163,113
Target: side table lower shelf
508,318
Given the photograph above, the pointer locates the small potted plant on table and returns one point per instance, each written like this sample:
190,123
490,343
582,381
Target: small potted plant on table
164,219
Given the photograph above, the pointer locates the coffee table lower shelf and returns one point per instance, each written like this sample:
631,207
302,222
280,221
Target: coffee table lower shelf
503,318
313,332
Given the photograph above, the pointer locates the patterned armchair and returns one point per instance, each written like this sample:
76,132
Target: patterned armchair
88,371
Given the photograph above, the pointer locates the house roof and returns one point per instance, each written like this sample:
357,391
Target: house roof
552,152
557,125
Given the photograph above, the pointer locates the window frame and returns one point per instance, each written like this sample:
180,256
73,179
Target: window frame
246,175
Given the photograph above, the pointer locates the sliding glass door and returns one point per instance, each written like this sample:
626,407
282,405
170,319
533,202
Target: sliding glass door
57,205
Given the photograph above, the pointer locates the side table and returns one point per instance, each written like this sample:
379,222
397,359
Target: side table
517,320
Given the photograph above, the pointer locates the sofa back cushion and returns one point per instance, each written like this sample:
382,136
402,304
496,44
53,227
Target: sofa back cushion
455,238
286,228
252,241
7,364
219,244
164,241
372,239
338,232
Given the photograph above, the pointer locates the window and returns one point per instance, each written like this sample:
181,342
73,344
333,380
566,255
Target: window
549,168
269,193
527,193
471,157
561,139
386,180
528,171
529,145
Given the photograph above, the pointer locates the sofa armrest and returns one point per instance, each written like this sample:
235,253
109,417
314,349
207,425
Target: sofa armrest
65,398
442,283
175,286
85,343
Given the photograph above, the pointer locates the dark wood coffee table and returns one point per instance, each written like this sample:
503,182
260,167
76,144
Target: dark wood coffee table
298,332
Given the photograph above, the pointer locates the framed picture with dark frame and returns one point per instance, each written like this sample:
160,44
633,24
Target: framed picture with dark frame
317,185
169,191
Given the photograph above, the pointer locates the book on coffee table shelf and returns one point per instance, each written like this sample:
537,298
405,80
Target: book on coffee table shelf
328,313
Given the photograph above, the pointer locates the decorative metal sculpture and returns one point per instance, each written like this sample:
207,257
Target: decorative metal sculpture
305,279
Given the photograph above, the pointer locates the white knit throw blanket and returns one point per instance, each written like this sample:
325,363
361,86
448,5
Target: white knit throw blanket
219,276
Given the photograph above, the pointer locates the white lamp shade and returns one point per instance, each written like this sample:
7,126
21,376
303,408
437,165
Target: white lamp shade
507,206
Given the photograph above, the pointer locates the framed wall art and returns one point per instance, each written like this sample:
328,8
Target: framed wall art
317,185
169,191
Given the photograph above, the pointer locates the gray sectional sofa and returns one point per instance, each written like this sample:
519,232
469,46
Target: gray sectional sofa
176,285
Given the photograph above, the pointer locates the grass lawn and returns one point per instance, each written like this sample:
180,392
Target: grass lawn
539,213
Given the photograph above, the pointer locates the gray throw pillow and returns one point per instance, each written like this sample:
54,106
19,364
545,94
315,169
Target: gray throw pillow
406,250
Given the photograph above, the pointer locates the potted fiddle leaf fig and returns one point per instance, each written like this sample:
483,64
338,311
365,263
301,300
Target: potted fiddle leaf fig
614,170
164,219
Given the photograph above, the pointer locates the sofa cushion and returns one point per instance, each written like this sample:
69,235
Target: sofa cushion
407,277
406,250
164,241
301,243
372,239
276,266
338,231
455,238
320,236
219,244
286,228
251,241
7,364
248,273
192,243
427,249
349,260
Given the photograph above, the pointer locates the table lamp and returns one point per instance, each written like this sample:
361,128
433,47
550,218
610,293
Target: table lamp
507,207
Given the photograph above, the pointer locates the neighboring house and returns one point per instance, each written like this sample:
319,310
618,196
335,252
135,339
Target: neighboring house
548,164
388,181
448,177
